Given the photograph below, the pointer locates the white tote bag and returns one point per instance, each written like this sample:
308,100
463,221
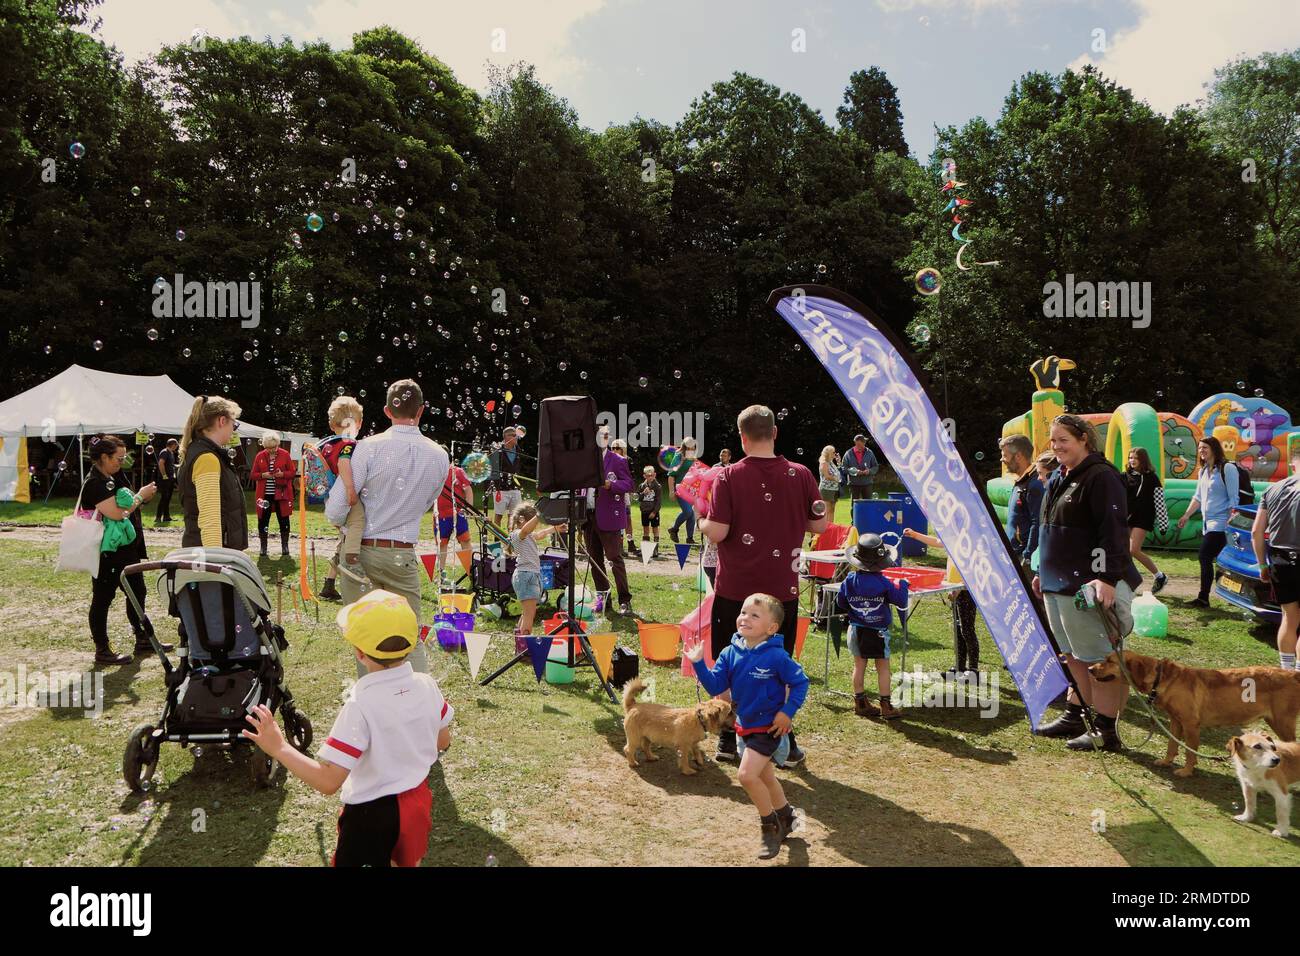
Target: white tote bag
79,541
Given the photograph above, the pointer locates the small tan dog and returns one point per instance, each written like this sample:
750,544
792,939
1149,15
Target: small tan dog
1263,764
1199,697
683,728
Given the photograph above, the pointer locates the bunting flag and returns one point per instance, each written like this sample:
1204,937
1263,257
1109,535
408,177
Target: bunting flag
878,376
602,646
538,648
836,628
430,562
303,587
476,646
683,552
647,550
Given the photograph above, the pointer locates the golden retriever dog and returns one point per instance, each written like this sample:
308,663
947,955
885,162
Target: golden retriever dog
683,728
1196,697
1263,764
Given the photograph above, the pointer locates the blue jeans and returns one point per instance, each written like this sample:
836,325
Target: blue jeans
687,515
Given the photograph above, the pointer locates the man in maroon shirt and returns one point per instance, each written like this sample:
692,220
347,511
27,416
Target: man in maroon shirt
762,507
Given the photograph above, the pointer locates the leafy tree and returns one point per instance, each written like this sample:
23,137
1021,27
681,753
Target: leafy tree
871,112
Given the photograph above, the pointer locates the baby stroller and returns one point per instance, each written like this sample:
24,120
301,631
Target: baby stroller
229,661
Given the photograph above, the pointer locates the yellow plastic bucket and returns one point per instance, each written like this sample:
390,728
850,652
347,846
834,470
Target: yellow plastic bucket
456,602
659,642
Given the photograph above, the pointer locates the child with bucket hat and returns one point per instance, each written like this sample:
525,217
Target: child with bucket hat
391,730
866,594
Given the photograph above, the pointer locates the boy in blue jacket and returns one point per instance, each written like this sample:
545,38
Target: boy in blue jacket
767,687
866,594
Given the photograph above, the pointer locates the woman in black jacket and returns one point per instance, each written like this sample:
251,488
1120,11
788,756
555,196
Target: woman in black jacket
1143,483
1084,541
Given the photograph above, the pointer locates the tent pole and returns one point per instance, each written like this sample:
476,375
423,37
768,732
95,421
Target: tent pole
81,457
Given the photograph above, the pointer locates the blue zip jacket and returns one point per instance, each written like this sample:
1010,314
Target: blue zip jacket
758,679
1023,510
866,595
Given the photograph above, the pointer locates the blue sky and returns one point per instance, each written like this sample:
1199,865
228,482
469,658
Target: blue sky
614,59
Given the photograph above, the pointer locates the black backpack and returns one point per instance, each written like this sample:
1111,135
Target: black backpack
1245,490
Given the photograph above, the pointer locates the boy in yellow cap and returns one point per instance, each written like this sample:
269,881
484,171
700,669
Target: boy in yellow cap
390,731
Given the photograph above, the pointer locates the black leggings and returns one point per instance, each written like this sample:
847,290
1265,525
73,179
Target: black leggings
264,522
104,589
965,642
1212,542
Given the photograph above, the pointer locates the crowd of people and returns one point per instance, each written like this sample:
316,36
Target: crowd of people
1073,521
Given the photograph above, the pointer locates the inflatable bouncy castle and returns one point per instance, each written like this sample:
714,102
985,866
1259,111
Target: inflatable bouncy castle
1254,432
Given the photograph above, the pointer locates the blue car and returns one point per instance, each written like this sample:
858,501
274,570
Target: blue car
1237,575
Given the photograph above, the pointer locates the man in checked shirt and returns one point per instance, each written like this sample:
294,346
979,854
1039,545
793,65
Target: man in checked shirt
398,475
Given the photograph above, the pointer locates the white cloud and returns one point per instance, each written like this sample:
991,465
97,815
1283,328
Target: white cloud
1177,45
460,34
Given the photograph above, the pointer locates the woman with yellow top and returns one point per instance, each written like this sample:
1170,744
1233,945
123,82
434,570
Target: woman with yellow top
212,496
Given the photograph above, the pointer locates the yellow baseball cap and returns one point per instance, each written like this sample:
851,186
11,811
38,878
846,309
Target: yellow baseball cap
373,619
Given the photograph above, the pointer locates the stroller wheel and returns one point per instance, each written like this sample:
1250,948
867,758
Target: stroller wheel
141,759
267,772
298,729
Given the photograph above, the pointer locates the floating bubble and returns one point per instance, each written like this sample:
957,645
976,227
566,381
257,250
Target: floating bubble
921,333
582,375
148,449
1259,393
979,456
77,150
1241,385
767,496
428,300
248,356
776,553
818,508
401,163
97,345
670,457
677,373
321,102
717,166
180,235
798,451
399,212
821,268
135,190
343,336
152,335
478,467
314,222
643,381
516,411
928,280
747,538
49,349
186,353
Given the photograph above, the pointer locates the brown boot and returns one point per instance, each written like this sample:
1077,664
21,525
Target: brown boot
863,707
888,711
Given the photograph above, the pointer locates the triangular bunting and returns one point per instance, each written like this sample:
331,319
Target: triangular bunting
538,648
602,646
683,552
430,562
424,632
837,632
476,646
702,582
647,551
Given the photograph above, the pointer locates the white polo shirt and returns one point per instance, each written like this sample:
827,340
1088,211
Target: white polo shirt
386,735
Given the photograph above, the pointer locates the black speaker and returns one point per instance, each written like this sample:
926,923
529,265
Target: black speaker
568,457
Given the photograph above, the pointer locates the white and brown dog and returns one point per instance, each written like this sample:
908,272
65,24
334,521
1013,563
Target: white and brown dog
1264,764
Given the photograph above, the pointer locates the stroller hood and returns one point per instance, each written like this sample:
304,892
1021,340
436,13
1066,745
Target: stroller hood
239,568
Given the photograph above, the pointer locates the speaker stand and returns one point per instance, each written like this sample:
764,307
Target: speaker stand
570,623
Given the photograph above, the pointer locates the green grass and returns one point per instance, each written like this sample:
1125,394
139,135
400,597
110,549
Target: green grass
536,775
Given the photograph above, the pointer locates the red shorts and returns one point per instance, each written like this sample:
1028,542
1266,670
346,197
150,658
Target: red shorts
387,830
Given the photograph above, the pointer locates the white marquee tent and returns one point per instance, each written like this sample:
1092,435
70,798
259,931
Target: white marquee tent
83,401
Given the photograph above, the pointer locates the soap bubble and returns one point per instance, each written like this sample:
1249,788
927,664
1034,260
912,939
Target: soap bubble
135,190
921,333
1259,393
49,349
979,456
77,150
747,538
321,102
1241,385
643,381
248,356
821,268
767,496
98,344
523,299
790,472
152,335
314,222
582,375
401,163
717,166
399,212
516,411
677,373
478,467
186,353
670,457
428,300
818,509
776,553
343,336
798,451
180,235
928,280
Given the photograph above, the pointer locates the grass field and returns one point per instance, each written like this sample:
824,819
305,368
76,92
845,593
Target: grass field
536,775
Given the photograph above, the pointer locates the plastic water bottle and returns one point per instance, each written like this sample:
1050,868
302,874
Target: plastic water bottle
1150,616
